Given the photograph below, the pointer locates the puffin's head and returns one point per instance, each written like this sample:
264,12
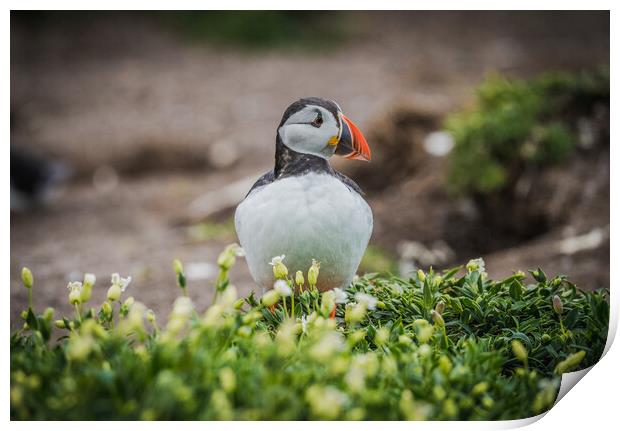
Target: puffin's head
317,126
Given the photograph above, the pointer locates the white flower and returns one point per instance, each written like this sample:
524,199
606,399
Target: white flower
120,281
369,300
476,264
276,260
340,296
282,288
304,323
89,279
75,292
75,286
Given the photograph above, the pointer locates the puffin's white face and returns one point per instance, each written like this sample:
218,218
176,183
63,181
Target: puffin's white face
312,130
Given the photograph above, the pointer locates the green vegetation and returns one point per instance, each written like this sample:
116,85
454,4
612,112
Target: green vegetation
434,346
376,259
516,124
209,231
313,30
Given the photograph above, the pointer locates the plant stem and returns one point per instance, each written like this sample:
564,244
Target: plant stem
77,312
293,303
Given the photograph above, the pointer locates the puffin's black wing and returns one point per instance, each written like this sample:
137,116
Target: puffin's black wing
349,182
265,179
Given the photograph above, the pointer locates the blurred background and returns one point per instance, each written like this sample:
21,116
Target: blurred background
135,134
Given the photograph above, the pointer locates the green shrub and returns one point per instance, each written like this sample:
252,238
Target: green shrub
434,346
516,123
252,29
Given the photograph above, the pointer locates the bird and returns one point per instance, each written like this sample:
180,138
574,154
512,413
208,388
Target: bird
304,209
34,179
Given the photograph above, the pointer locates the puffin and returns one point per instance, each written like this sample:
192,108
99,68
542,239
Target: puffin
304,209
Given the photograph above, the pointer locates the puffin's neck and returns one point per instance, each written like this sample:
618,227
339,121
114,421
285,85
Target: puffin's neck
290,162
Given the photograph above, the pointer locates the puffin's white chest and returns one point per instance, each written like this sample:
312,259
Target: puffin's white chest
314,216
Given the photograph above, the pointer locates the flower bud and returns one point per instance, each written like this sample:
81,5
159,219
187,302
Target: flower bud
382,336
558,307
570,362
177,266
150,316
440,307
24,314
60,324
270,298
226,260
106,308
89,279
539,275
48,314
445,365
480,388
421,275
487,401
239,303
404,340
27,278
519,350
437,318
299,278
86,292
313,273
228,379
280,271
114,293
450,408
75,296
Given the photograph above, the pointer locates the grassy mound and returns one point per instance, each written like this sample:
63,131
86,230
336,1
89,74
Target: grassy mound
516,125
435,346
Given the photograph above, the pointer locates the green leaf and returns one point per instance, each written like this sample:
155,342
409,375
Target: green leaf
427,294
570,318
32,320
516,290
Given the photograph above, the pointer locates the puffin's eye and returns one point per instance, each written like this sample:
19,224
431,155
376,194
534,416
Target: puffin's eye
318,120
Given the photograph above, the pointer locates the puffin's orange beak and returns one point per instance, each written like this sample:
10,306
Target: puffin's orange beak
352,144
